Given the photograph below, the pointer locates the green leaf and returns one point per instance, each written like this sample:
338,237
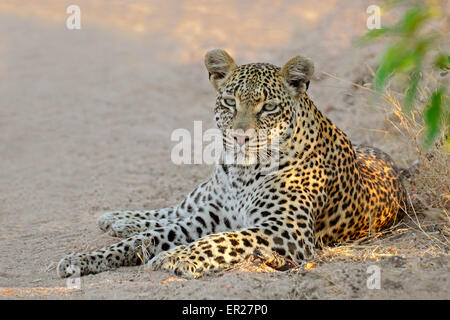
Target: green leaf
413,19
398,57
433,117
442,61
411,93
371,35
413,43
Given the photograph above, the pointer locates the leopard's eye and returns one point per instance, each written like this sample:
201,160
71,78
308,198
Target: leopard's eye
269,107
229,102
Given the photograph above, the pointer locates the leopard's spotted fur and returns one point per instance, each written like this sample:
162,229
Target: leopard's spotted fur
324,190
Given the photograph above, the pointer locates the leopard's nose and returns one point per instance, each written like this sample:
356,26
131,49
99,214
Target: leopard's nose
241,139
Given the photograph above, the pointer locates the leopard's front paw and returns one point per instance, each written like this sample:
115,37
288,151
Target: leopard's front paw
124,228
73,264
106,220
178,262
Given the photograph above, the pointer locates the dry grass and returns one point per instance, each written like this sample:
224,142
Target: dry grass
428,179
429,184
407,239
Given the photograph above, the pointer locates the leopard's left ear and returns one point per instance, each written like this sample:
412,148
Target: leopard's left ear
297,72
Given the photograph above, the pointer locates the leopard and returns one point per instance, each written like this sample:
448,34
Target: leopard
322,191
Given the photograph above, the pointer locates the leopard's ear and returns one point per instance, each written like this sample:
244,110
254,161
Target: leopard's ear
297,72
220,65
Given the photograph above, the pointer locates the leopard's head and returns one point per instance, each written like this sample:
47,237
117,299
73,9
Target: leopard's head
257,103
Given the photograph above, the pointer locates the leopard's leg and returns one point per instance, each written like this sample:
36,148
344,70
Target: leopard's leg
127,252
218,251
125,228
147,244
107,220
133,222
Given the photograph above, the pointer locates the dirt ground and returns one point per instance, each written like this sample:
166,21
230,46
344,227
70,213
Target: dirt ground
86,118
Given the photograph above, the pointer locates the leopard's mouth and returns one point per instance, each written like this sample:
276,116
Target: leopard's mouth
250,154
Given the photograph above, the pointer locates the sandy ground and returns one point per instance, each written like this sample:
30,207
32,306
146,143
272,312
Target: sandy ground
85,123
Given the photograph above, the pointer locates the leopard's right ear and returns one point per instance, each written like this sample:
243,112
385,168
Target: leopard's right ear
220,65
